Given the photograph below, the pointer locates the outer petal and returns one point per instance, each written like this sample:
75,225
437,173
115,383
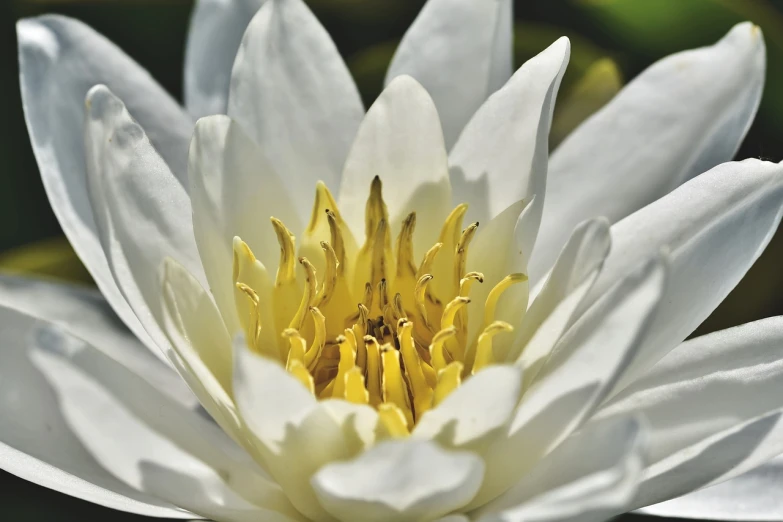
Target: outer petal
143,212
60,59
296,434
682,116
502,154
84,313
707,384
581,370
234,192
167,451
461,52
722,456
294,95
591,476
715,226
752,496
38,445
400,140
216,30
399,481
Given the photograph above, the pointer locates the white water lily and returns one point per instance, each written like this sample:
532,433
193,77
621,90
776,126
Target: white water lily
347,375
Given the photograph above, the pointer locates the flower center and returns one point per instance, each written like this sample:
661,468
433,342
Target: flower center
379,329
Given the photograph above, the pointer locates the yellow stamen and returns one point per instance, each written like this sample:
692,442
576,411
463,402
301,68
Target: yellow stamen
422,394
373,370
355,391
449,380
286,270
394,389
437,351
496,292
484,354
311,284
297,347
301,374
347,362
311,356
391,423
466,282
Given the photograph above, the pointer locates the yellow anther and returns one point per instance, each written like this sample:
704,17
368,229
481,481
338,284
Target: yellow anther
330,278
311,356
380,259
422,394
450,312
428,261
355,391
286,269
451,228
406,267
496,292
375,211
466,282
391,423
399,310
297,346
337,240
308,297
444,286
437,352
323,200
461,253
393,385
301,374
449,380
347,362
484,354
420,296
373,370
254,321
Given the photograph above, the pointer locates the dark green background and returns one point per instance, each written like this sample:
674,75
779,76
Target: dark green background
632,32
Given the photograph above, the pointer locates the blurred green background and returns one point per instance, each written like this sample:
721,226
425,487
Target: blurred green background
612,41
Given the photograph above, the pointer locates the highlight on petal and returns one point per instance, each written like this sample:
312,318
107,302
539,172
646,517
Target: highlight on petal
461,52
502,154
292,93
714,227
143,212
695,105
400,141
214,35
60,59
399,481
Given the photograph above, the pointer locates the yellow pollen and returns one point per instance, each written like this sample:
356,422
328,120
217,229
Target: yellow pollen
370,325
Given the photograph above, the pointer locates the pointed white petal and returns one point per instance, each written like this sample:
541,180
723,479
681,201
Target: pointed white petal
234,192
591,476
581,370
60,59
167,451
296,434
714,226
84,313
752,496
293,94
400,140
682,116
724,455
398,481
461,52
216,29
142,211
474,411
571,277
502,154
707,384
36,442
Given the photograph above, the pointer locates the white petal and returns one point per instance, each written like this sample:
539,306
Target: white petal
502,154
591,476
400,140
216,29
707,384
60,59
84,313
571,277
722,456
581,370
37,444
474,411
234,191
142,211
714,226
752,496
167,451
682,116
399,481
461,52
294,95
296,434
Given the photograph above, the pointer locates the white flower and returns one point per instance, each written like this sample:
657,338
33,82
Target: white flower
524,404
